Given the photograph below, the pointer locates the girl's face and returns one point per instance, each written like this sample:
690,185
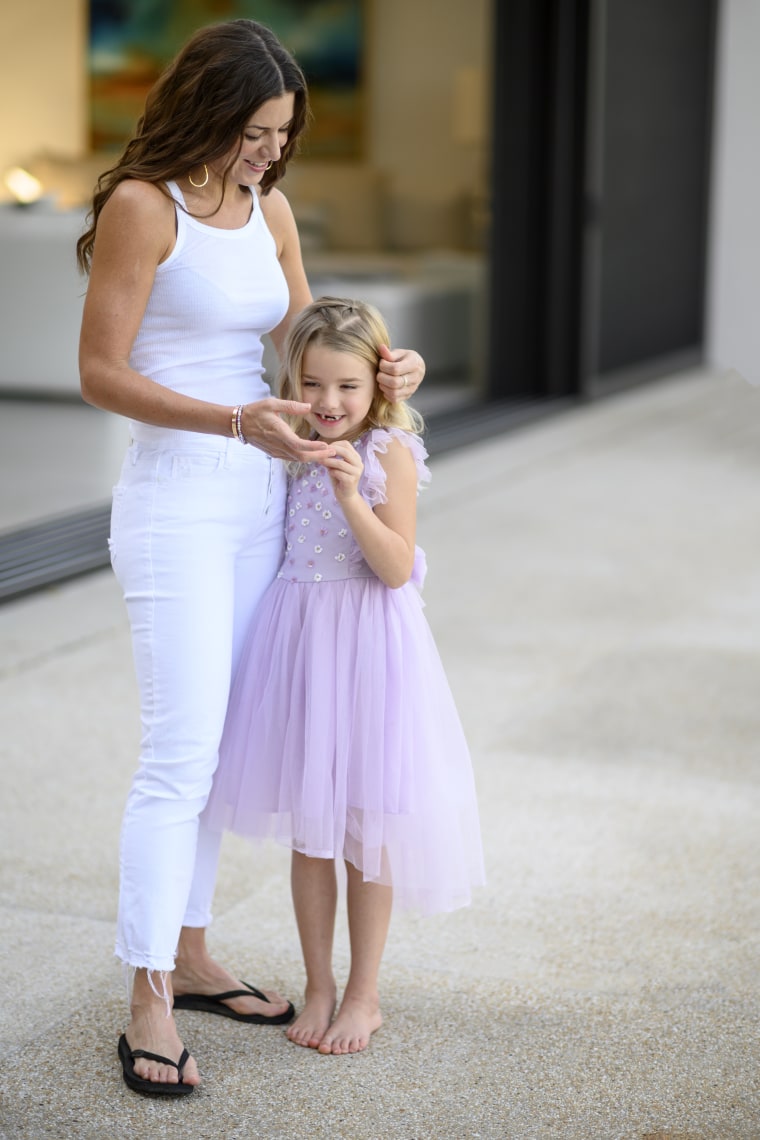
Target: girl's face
265,134
340,388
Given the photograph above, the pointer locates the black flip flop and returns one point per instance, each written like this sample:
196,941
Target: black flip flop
214,1003
128,1057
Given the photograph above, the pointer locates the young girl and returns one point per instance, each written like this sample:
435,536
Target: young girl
342,738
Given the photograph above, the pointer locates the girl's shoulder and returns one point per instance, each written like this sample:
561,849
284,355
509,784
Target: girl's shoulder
380,449
381,439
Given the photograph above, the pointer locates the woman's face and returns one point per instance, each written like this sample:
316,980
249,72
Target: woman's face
265,134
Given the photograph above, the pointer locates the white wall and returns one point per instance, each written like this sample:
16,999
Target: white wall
428,105
42,79
733,303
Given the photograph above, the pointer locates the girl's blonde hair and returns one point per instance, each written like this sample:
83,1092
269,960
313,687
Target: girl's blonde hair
344,326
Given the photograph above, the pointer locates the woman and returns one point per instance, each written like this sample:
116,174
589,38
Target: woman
193,255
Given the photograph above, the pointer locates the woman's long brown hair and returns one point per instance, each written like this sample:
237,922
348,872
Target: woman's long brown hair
197,110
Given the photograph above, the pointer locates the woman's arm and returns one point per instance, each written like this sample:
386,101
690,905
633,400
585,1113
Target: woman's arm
385,534
282,226
401,370
135,234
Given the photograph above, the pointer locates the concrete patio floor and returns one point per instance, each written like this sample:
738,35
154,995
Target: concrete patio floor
594,588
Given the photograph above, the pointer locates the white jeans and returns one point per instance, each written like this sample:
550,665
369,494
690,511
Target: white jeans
196,537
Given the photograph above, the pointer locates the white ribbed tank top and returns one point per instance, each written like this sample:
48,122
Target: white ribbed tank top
212,299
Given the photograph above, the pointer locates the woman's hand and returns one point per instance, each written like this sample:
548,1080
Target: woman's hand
400,373
264,428
345,468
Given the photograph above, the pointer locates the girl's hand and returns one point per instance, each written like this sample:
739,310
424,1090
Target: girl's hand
345,468
400,373
264,428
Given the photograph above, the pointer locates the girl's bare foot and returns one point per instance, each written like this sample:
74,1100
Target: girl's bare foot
357,1020
314,1019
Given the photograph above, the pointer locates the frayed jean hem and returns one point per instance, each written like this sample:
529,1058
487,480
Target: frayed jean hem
157,980
133,961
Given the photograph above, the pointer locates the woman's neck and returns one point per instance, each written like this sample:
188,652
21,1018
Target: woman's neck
228,207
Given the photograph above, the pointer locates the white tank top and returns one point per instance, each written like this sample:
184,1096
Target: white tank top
212,299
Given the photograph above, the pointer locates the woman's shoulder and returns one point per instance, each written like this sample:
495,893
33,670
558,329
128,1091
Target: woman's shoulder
142,211
140,202
274,202
277,212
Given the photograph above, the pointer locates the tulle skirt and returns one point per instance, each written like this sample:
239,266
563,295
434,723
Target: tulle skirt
342,740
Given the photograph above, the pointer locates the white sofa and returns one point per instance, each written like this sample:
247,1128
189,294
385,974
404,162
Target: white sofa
431,301
41,298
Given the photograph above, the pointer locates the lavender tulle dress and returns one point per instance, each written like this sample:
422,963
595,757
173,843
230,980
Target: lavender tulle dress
342,738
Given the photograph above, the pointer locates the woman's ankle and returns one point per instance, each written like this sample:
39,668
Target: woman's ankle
151,995
191,947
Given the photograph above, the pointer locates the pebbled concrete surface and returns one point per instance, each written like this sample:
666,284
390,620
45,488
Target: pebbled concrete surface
595,593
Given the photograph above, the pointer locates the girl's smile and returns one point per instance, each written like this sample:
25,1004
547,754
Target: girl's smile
340,388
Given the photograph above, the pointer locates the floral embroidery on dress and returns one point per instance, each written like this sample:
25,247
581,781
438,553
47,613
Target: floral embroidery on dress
311,499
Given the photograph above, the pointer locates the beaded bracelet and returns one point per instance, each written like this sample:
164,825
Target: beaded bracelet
237,423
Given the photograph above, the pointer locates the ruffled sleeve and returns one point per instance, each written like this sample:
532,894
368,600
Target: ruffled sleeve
377,442
372,486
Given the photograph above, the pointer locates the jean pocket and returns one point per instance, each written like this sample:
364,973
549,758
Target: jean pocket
117,506
199,465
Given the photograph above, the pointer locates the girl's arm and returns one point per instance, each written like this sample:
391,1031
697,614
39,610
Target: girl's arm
386,534
135,234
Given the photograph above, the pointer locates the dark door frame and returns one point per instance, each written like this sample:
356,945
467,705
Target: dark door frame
539,117
545,279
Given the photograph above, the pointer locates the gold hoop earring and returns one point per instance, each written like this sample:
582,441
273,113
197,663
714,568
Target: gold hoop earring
199,185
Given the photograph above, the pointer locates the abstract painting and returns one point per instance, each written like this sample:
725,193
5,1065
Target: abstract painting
131,41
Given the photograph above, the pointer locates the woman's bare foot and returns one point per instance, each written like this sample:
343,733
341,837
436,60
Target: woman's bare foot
357,1020
314,1019
196,972
150,1029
